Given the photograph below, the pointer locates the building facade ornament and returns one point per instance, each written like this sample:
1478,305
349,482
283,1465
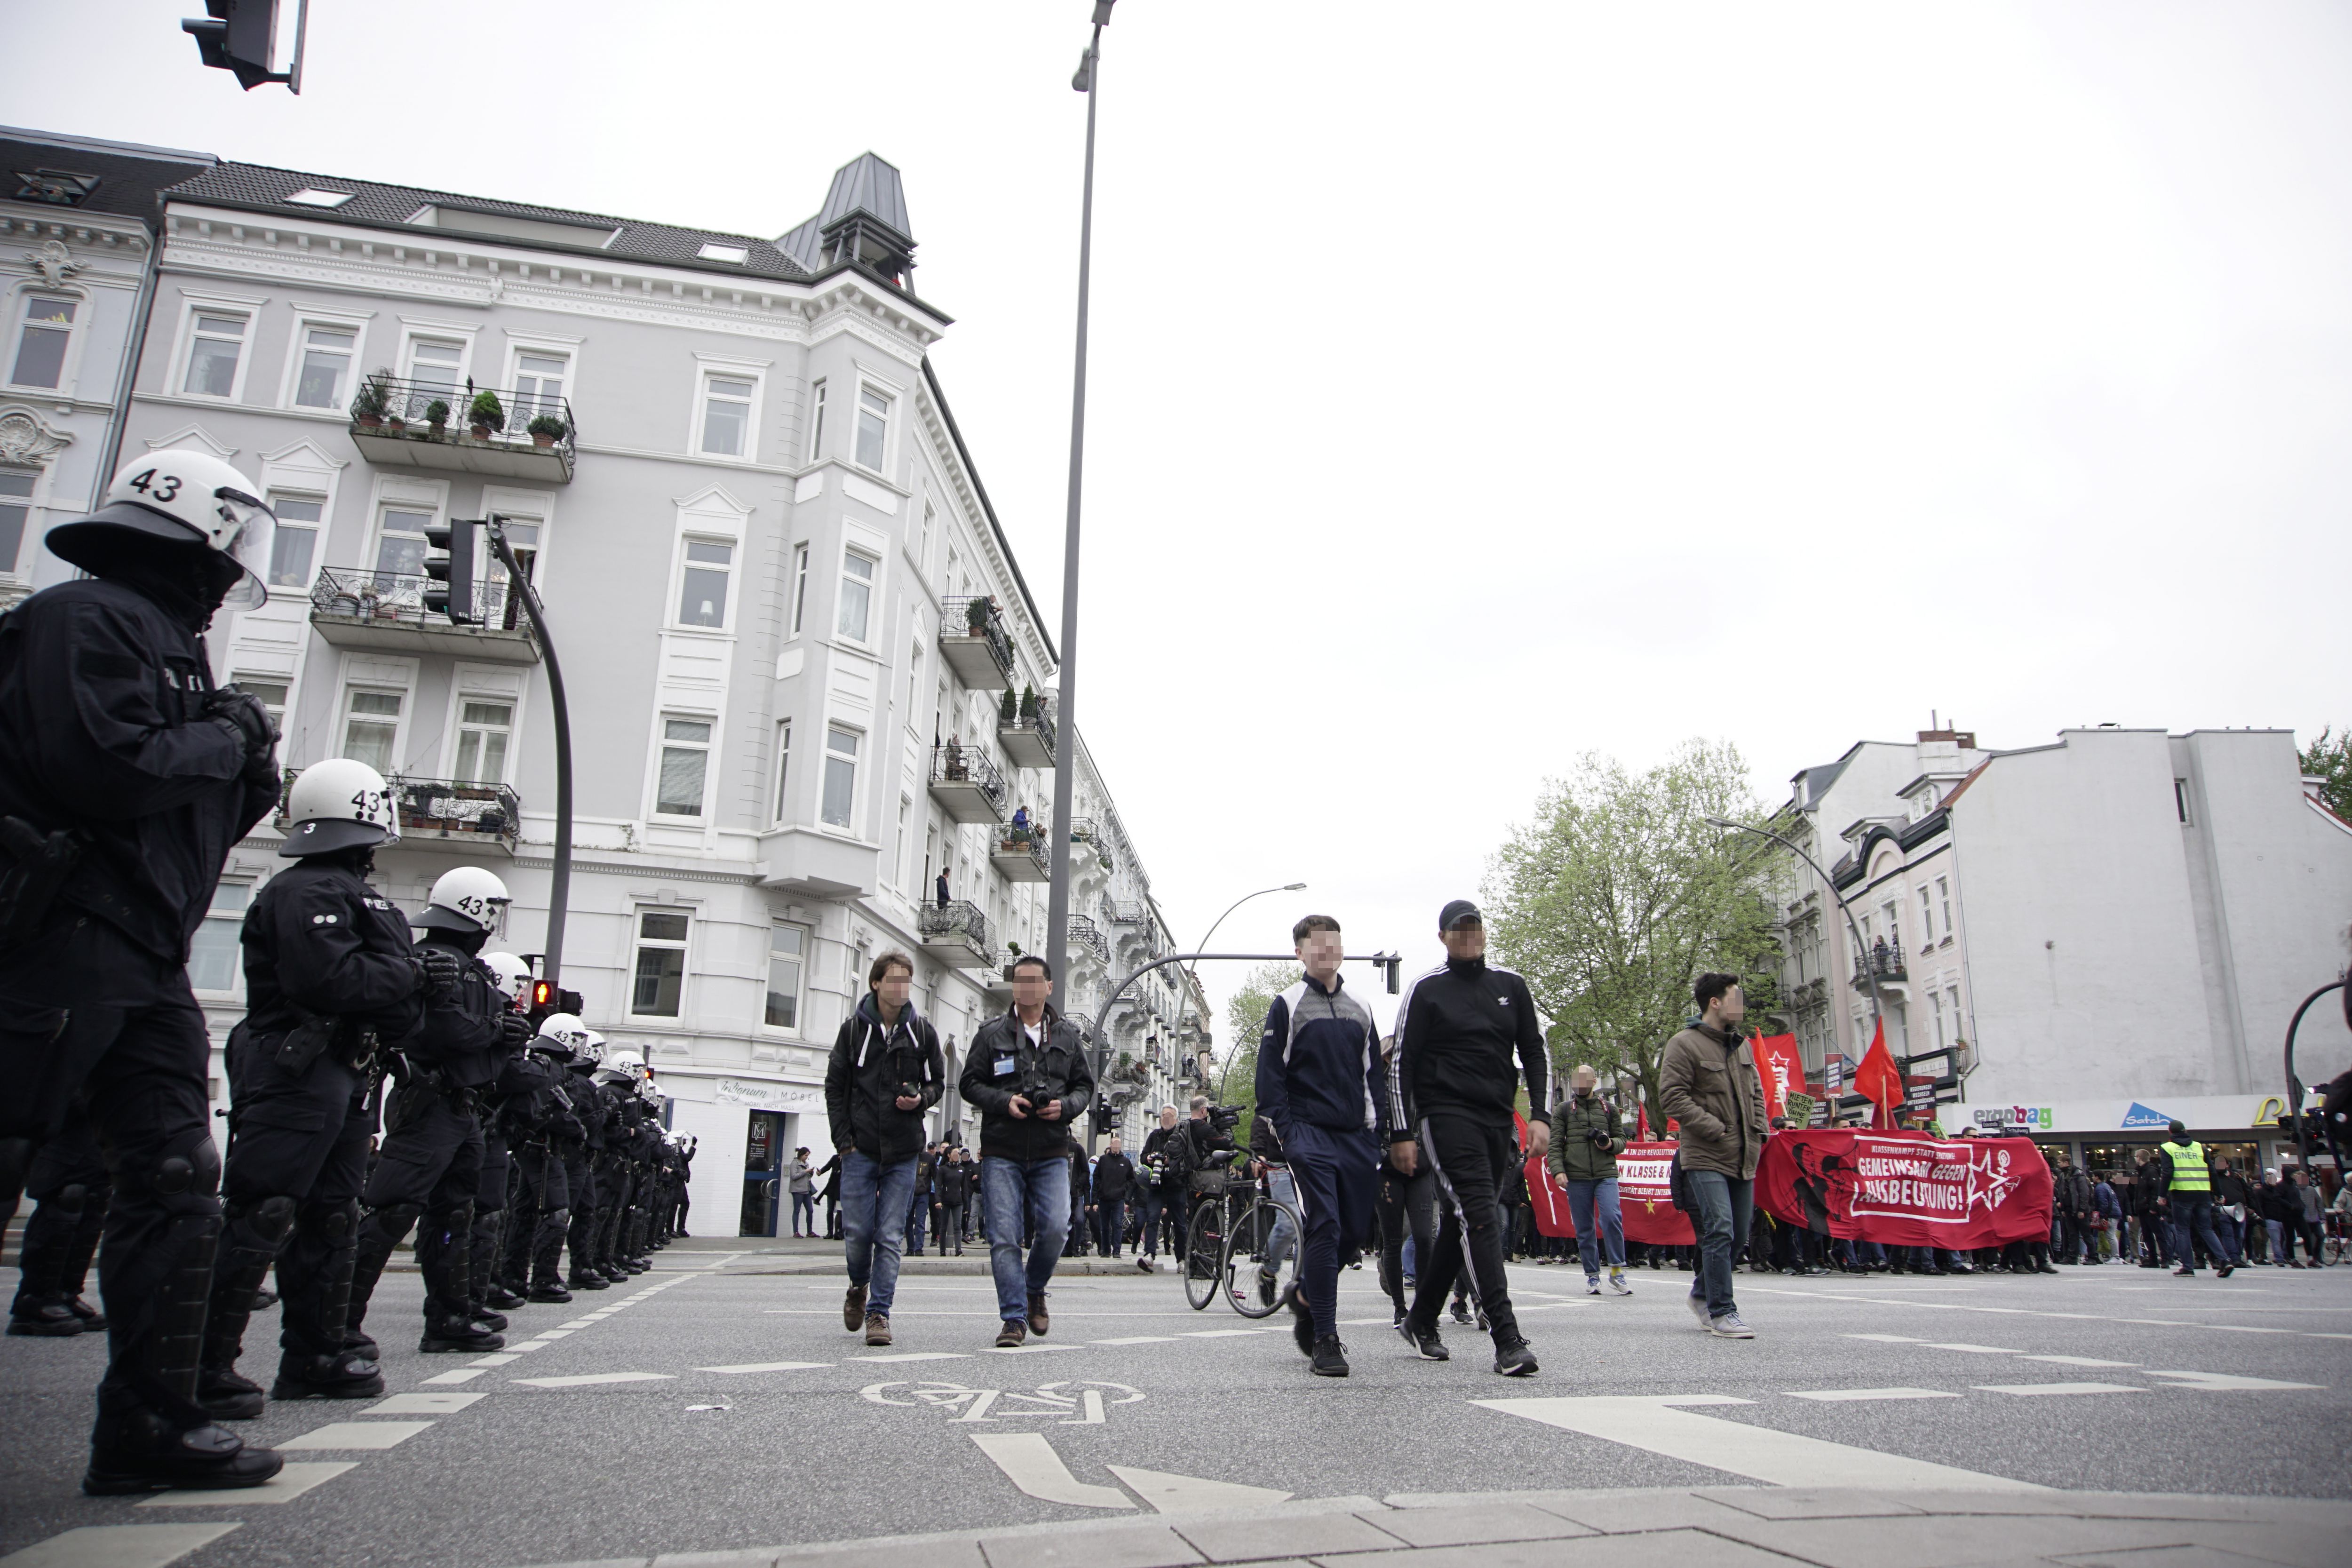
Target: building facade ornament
24,440
54,262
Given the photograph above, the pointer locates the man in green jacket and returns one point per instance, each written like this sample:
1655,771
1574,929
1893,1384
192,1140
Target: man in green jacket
1586,1133
1708,1080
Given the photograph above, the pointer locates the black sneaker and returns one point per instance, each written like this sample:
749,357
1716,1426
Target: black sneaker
47,1318
1330,1357
1515,1359
1426,1344
456,1334
589,1279
1302,1329
501,1299
494,1321
1462,1312
226,1397
548,1290
140,1451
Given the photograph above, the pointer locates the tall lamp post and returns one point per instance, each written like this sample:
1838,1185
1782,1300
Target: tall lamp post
1087,81
1194,972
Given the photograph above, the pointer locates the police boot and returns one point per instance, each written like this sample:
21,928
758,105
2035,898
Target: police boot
151,1435
251,1234
80,1250
481,1260
380,1231
42,1308
343,1375
315,1271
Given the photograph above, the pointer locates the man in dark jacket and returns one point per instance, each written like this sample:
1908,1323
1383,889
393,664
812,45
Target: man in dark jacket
1162,1192
1028,1071
1586,1134
2072,1197
1114,1180
1708,1080
124,780
883,1074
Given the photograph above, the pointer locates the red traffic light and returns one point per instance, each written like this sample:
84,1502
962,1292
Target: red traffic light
542,993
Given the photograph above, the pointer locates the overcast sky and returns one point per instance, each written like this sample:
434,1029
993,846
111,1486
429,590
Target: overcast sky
1476,386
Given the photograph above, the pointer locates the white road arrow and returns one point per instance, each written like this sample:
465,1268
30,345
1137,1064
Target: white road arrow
1030,1463
1193,1494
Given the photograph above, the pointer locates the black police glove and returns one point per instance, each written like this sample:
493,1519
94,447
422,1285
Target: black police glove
240,712
443,969
517,1031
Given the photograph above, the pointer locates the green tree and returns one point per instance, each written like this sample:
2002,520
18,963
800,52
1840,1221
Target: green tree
1244,1017
2329,759
1618,894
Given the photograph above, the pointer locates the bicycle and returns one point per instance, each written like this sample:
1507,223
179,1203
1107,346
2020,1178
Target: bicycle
1238,1246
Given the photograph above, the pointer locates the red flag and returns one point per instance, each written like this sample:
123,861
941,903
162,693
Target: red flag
1878,1078
1641,1124
1781,1068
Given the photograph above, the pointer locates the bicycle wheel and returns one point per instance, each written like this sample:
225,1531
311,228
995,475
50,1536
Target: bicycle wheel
2331,1250
1261,1261
1204,1242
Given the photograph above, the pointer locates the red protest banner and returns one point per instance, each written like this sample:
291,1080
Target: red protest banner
1548,1199
1906,1189
1649,1214
1782,1069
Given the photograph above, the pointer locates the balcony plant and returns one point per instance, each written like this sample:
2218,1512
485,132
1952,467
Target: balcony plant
1028,702
546,430
437,415
975,616
1007,707
486,415
374,396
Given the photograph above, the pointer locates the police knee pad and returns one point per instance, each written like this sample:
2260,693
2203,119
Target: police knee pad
271,1218
70,1198
558,1219
396,1217
337,1224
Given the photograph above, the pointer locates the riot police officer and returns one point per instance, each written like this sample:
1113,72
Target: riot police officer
519,1077
583,1163
330,973
125,777
430,1164
543,1198
70,1188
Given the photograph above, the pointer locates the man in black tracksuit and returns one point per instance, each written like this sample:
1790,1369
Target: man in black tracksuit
1457,1030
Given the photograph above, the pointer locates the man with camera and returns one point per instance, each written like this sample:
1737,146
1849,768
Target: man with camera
1028,1071
1162,1192
885,1073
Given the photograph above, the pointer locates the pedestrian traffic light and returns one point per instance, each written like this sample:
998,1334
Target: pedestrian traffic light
449,560
240,35
547,999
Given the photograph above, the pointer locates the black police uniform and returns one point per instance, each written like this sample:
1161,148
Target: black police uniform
330,975
541,1211
507,1119
584,1174
69,1187
110,733
429,1164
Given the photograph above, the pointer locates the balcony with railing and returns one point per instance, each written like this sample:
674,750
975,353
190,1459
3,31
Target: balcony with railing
1127,913
443,814
974,642
1086,830
966,784
1084,934
956,932
355,608
1019,855
1882,962
392,423
1028,736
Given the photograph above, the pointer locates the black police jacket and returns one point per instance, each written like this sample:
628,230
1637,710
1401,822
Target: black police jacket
102,730
463,1037
319,940
1002,1060
863,1076
588,1106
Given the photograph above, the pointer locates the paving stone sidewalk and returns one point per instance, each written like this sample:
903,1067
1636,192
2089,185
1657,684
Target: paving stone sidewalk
1662,1528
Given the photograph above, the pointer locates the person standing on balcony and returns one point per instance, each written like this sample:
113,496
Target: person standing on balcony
885,1073
942,886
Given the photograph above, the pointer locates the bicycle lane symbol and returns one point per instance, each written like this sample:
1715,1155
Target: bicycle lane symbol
1082,1403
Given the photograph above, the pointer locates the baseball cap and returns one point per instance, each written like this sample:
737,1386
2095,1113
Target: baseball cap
1460,912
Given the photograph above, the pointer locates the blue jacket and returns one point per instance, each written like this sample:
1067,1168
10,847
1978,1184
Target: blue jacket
1318,1061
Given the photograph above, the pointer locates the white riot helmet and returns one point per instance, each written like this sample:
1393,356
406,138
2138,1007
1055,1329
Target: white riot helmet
594,1049
565,1032
185,497
465,899
338,805
514,974
624,1066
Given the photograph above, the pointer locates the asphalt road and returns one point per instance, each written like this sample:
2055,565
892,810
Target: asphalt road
640,1429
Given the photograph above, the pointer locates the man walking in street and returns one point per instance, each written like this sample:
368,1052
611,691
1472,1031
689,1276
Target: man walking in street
1458,1028
1027,1072
1114,1180
883,1074
2189,1190
1708,1080
1164,1171
1322,1086
1586,1134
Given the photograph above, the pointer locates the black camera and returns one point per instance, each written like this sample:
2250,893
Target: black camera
910,1092
1600,1136
1224,1118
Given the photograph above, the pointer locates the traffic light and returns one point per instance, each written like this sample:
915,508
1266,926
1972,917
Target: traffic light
547,999
449,560
240,35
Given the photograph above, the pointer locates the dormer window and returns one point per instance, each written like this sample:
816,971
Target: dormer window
713,251
311,196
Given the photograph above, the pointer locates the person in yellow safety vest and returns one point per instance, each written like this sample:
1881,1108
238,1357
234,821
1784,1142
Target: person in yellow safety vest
2189,1195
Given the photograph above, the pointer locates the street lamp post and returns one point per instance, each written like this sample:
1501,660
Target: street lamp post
1087,81
1194,972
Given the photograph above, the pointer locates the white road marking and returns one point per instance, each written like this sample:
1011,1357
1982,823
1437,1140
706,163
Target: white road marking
1030,1463
2219,1381
2034,1388
1193,1494
918,1355
2246,1329
284,1486
2078,1360
118,1546
1759,1453
424,1403
1886,1339
765,1366
587,1380
1844,1393
525,1348
579,1323
1971,1350
466,1374
355,1435
1027,1350
1139,1339
555,1333
498,1359
1225,1333
1962,1307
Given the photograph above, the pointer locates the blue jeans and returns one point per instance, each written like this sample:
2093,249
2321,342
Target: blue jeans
804,1208
1278,1245
1724,1207
1008,1190
1584,1199
874,1198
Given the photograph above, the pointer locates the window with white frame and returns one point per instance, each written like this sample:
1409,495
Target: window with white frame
400,544
294,543
484,727
326,366
899,850
45,331
16,512
800,586
914,681
372,726
1944,898
856,594
215,956
685,766
923,544
271,689
659,989
816,422
783,763
787,972
1927,918
840,773
433,376
872,427
1952,998
216,345
1936,1012
702,584
539,386
727,414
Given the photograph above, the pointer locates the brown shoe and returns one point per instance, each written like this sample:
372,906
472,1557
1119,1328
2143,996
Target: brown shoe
877,1329
1011,1334
1038,1321
852,1308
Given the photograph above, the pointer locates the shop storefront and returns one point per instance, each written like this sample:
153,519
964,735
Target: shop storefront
2107,1135
746,1130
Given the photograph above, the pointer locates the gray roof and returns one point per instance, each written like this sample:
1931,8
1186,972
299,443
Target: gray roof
869,185
255,187
129,177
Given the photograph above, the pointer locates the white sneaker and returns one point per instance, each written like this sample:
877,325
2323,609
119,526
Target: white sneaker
1697,1305
1617,1282
1593,1284
1729,1327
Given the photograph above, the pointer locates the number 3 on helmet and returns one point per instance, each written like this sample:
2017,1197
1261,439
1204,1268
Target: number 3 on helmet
338,805
465,899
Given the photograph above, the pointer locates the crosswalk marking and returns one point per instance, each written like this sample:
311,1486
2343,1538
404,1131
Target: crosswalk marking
496,1358
118,1546
749,1366
1225,1333
917,1355
2057,1388
588,1380
1844,1393
355,1435
1139,1339
1969,1349
284,1486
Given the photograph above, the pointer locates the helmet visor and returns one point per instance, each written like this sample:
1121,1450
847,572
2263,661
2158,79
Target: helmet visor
251,546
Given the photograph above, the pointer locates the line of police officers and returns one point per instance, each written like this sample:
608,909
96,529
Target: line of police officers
125,778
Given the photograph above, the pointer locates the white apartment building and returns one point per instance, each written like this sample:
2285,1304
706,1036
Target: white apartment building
2104,934
806,679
